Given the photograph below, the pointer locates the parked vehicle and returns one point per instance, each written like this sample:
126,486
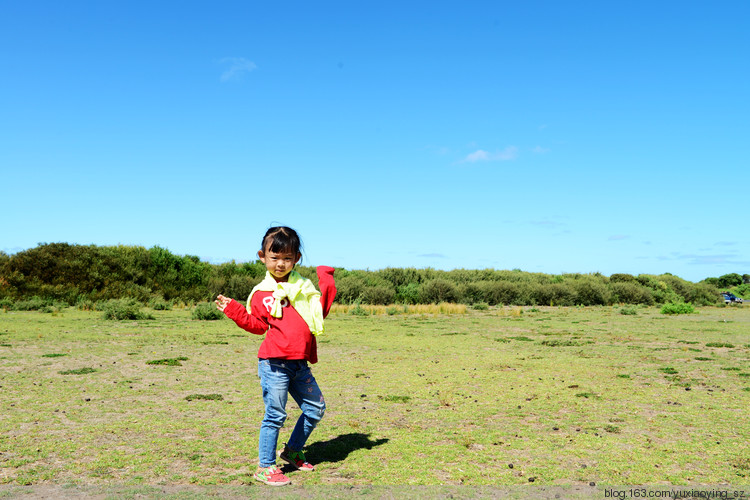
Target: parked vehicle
730,298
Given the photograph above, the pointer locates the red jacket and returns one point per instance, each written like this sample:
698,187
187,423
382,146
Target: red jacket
288,337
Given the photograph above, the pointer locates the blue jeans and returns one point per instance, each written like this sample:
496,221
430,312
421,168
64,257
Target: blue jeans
278,379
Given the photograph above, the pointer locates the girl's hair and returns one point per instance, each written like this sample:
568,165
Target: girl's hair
281,239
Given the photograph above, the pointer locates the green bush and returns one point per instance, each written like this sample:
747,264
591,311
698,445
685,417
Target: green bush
702,294
481,306
206,311
660,289
349,289
86,305
378,295
622,278
358,310
437,291
470,293
524,293
408,294
159,304
554,294
133,291
123,309
678,285
499,292
590,293
398,277
629,292
677,308
32,304
239,286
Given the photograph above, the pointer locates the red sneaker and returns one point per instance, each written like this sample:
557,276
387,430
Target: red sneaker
296,459
272,476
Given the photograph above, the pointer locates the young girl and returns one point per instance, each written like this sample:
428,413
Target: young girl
290,311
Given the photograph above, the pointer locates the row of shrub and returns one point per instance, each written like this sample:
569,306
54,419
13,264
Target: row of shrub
75,274
519,288
71,273
112,309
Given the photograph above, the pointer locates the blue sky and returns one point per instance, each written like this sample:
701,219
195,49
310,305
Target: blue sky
545,136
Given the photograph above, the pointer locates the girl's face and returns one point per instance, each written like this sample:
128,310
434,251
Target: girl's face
279,264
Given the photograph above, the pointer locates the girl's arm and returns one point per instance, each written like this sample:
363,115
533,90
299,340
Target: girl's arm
327,287
237,313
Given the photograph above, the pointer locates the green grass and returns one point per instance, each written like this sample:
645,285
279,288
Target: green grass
563,343
79,371
206,397
167,361
597,405
396,399
668,370
720,344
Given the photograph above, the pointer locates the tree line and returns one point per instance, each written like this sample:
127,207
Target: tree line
74,273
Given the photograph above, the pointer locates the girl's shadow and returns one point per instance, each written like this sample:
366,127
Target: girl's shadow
338,448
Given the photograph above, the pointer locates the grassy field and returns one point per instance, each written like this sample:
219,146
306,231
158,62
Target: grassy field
549,396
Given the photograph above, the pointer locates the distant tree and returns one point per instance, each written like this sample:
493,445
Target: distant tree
712,281
730,280
746,278
75,273
621,278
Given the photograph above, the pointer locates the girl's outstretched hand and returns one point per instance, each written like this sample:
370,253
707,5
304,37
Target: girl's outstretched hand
222,302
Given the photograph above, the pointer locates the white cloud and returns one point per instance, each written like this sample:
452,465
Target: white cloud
540,150
509,153
479,155
237,67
